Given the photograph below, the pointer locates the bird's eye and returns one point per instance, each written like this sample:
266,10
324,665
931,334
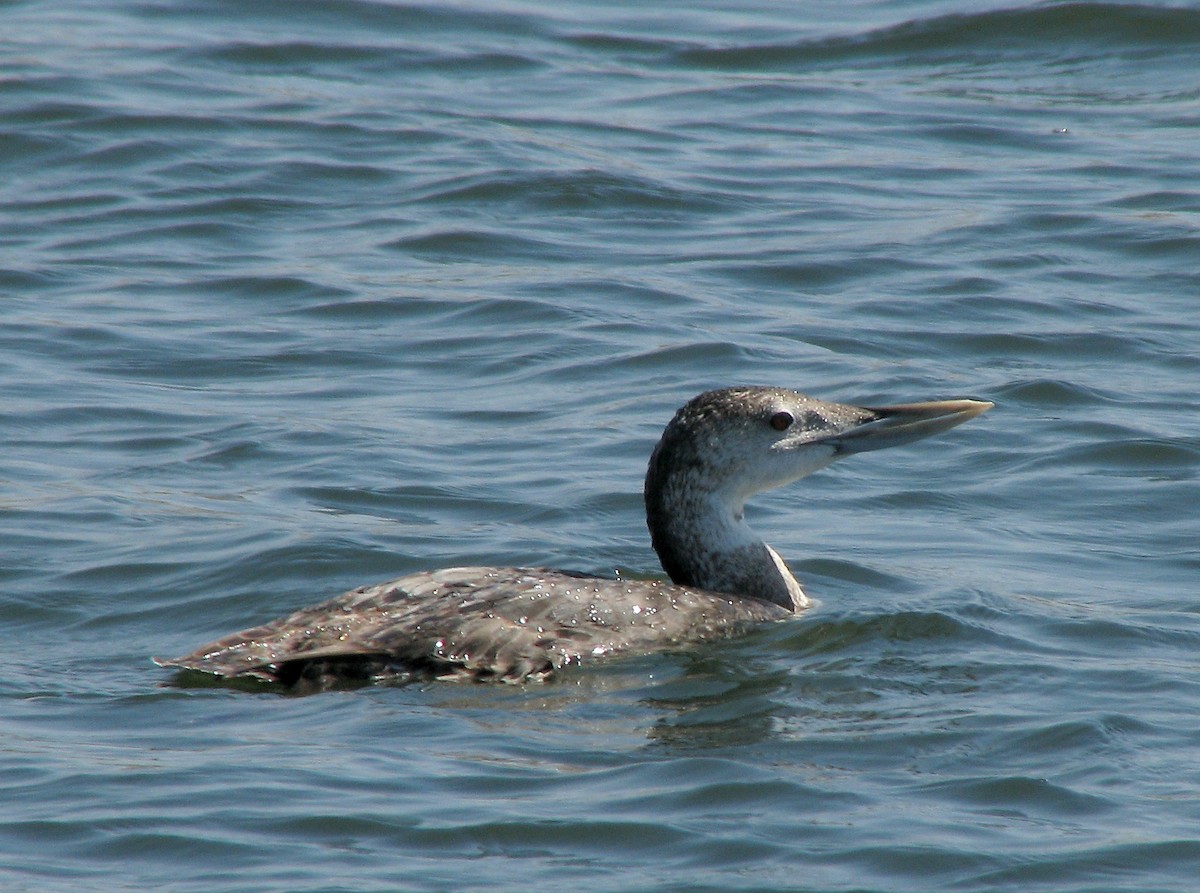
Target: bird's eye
781,421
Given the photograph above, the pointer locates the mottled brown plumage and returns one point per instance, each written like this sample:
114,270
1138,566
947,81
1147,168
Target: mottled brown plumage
506,624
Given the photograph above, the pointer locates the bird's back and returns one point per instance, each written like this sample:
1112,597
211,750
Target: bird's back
508,624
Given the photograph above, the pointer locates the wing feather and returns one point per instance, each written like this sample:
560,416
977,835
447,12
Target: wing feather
499,623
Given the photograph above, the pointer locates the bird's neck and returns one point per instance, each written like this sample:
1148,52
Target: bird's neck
703,541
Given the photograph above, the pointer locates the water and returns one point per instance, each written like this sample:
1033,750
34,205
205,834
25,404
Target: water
303,296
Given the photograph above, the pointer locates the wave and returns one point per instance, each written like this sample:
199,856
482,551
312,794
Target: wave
1061,29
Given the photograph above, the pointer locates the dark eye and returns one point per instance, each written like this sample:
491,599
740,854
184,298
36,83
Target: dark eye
781,421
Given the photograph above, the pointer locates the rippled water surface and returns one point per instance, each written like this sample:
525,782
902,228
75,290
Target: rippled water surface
302,296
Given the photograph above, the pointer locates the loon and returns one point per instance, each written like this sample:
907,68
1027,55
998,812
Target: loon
519,624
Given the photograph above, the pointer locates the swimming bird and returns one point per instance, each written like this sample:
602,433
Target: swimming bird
517,624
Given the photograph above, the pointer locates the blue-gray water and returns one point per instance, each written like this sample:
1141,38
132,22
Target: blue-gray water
306,295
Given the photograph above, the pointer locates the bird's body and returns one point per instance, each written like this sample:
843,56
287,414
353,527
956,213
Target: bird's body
514,624
508,624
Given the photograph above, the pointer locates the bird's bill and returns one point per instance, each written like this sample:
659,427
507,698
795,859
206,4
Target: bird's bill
903,423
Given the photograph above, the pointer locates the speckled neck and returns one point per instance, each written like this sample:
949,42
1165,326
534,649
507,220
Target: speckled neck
696,524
